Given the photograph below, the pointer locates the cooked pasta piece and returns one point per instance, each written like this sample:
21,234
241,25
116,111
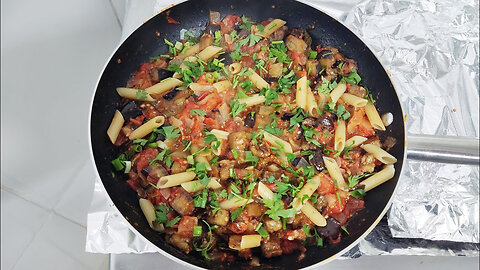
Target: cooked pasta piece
234,202
235,68
340,133
163,86
209,52
285,146
380,154
338,92
197,87
334,172
201,158
148,210
192,50
221,86
311,102
147,128
115,126
257,80
273,26
374,117
175,179
354,100
264,191
194,186
379,178
355,141
252,100
313,214
307,190
301,94
132,93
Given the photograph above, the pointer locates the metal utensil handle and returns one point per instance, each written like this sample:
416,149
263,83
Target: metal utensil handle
443,149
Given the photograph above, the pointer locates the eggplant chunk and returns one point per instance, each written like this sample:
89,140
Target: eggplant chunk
317,160
131,110
181,201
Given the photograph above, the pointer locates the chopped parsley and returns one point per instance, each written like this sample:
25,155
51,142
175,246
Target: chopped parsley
170,132
352,78
276,209
197,112
342,113
236,107
249,157
141,94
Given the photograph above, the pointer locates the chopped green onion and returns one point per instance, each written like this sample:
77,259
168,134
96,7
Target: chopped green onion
197,230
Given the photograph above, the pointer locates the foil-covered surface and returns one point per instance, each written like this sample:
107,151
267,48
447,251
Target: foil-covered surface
431,50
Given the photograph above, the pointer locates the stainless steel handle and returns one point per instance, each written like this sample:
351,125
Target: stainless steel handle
443,149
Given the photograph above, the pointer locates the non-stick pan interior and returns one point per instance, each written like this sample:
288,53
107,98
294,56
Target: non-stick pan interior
193,15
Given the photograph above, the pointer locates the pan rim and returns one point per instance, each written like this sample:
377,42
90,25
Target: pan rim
188,264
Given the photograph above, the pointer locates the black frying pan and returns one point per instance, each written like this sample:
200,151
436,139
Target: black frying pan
144,43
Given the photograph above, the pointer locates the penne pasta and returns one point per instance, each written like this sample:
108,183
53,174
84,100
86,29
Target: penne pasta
192,50
374,117
380,154
273,26
257,80
355,141
148,211
175,179
313,214
221,86
264,191
311,102
131,93
379,178
354,100
209,52
235,68
115,126
200,158
164,86
308,189
194,186
340,133
197,87
253,100
285,146
338,92
147,128
334,171
234,202
301,94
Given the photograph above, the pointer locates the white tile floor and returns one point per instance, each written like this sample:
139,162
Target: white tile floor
52,54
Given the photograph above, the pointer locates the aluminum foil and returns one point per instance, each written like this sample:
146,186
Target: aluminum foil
431,51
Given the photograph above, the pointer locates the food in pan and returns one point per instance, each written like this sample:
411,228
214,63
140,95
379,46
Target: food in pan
249,141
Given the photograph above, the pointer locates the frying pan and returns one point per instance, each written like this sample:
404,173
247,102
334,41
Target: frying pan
324,30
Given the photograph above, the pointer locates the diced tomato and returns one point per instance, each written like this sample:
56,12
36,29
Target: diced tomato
211,102
351,207
155,196
326,184
237,227
271,186
144,158
212,123
228,23
133,184
142,77
186,224
298,58
151,113
231,126
301,73
288,246
138,121
182,161
334,206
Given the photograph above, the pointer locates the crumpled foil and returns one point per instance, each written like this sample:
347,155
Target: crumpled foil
431,50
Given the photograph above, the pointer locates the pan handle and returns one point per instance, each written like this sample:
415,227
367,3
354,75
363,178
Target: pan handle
443,149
